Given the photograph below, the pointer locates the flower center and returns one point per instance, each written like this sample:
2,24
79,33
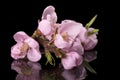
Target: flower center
65,36
24,47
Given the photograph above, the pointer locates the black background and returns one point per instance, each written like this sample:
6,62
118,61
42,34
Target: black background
23,15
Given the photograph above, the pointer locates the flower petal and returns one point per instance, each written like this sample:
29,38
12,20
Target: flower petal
33,55
49,14
83,34
16,53
71,60
70,27
77,47
91,41
20,36
60,42
32,43
45,27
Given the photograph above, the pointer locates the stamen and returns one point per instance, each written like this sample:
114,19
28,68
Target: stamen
24,47
65,36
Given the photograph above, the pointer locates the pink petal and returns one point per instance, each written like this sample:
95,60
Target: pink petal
83,34
60,42
16,53
32,43
49,37
71,60
49,14
77,47
91,41
45,27
33,55
20,36
70,27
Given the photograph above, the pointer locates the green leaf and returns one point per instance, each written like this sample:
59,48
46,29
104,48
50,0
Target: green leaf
92,32
50,58
87,65
90,22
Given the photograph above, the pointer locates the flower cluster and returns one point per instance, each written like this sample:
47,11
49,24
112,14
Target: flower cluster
66,40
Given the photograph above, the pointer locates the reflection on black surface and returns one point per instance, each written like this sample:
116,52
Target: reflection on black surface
78,73
90,55
26,70
32,70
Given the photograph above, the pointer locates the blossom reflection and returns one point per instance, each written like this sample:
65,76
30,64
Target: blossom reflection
90,55
78,73
33,71
26,70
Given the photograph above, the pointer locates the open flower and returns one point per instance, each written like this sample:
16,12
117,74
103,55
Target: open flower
48,23
71,60
25,46
67,32
88,36
66,40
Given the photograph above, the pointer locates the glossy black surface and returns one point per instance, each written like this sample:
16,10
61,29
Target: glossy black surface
26,70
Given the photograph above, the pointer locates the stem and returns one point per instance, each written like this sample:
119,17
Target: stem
36,34
48,47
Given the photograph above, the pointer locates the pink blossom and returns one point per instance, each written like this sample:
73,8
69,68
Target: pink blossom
45,27
67,32
91,40
50,14
48,23
88,41
60,42
71,60
25,46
